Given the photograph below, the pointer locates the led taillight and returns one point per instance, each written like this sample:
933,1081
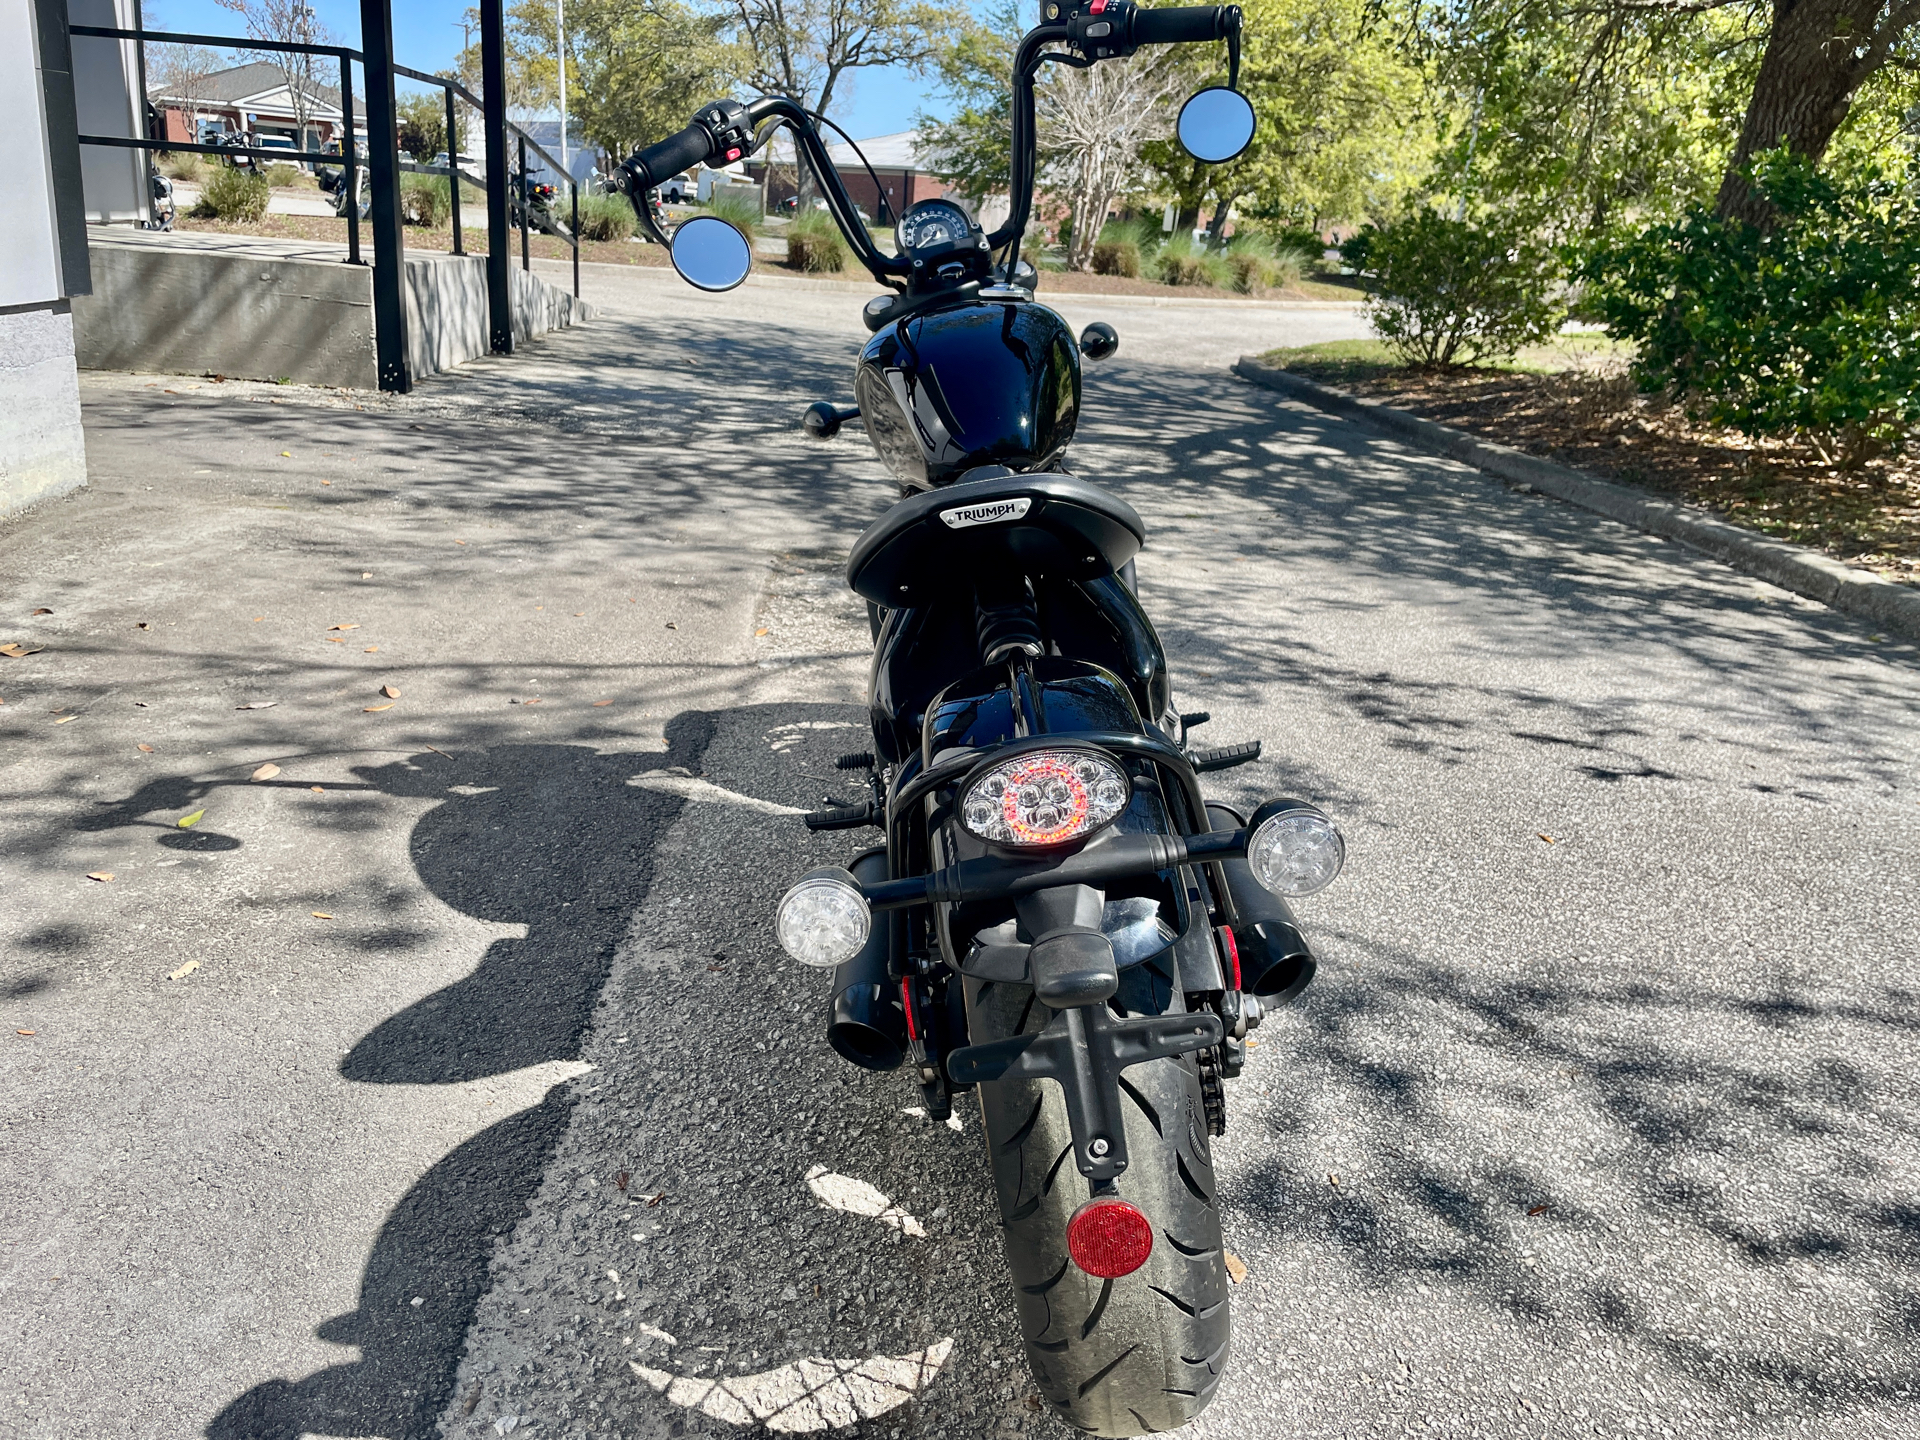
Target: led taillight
1045,797
1108,1238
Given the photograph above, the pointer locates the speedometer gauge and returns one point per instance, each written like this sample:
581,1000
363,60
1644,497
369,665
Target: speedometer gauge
933,225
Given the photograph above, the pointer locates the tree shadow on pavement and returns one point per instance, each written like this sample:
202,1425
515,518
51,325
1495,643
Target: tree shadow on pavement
1716,1180
551,837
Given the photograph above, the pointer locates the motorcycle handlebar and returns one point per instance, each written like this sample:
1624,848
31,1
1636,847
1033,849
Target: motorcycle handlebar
675,153
1185,25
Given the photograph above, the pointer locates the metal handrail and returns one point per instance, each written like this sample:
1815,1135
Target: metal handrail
350,161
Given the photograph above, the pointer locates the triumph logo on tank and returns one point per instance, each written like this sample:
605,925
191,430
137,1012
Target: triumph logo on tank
990,514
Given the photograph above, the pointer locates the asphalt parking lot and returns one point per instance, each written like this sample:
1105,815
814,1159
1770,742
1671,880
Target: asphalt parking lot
484,1104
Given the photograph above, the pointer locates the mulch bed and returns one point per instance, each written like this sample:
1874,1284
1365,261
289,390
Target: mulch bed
1597,422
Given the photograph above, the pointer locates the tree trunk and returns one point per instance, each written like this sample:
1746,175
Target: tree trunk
1216,227
1807,78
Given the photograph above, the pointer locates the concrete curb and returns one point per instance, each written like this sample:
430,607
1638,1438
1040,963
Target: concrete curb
761,278
1806,572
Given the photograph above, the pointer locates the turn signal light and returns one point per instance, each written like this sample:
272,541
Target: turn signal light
823,920
1108,1237
1295,849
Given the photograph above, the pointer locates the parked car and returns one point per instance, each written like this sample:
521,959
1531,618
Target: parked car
278,142
471,167
790,207
679,190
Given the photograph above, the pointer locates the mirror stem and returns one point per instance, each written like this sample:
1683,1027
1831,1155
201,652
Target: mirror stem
1233,59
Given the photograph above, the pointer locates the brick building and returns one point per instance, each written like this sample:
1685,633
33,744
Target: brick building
903,180
251,100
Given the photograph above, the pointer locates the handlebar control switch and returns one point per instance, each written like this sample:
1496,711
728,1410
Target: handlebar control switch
732,131
1098,29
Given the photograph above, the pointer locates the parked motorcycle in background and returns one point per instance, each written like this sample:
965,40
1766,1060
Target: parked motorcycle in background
1057,917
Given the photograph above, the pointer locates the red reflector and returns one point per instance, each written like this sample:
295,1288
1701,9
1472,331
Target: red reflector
1109,1238
1233,955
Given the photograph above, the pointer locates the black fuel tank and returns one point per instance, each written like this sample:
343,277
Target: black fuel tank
981,383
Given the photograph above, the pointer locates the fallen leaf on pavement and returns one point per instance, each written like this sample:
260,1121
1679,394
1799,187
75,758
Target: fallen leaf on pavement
26,1032
103,876
318,789
374,709
141,625
19,651
371,649
1333,1179
1536,1210
286,454
321,915
265,772
653,1200
257,705
579,614
1236,1267
343,627
763,630
1545,837
459,542
598,703
187,822
366,574
621,1180
43,610
147,748
64,718
258,618
336,639
185,970
326,482
390,691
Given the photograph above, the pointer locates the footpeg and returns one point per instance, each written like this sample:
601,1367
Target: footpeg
1192,720
859,760
1224,758
846,817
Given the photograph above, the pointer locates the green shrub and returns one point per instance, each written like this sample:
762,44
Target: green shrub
741,209
231,194
425,200
1455,291
1255,263
1116,257
606,217
1181,262
814,243
1807,328
1298,237
280,175
1125,247
181,165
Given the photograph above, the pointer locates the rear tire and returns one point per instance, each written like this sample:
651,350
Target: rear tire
1144,1353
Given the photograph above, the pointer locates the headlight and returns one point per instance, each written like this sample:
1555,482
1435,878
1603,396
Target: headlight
1045,797
1295,850
823,920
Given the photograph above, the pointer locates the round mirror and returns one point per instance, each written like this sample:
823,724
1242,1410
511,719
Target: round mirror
1216,124
710,254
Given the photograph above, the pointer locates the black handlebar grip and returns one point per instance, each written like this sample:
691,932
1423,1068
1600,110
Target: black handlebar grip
1184,25
674,154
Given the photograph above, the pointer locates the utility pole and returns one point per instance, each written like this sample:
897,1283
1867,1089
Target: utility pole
560,37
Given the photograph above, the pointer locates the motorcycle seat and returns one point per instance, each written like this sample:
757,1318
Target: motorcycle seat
1046,524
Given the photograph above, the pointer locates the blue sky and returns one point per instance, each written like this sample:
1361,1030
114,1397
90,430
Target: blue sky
427,35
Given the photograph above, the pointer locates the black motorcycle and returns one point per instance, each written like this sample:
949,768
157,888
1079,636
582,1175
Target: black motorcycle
1058,918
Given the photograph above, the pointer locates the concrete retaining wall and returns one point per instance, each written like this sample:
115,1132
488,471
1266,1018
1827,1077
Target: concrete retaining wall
253,308
42,453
